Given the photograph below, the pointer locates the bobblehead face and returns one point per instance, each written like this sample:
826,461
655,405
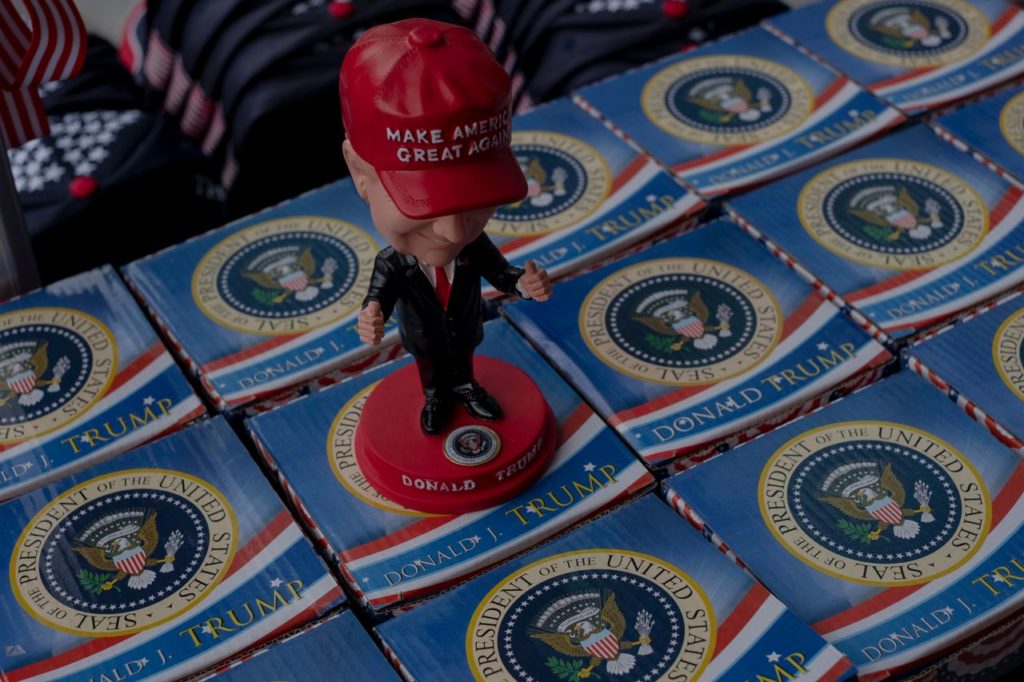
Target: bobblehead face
434,241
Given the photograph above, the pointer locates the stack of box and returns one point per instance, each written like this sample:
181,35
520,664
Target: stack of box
990,388
993,129
699,341
908,230
739,112
919,55
154,565
634,595
591,195
335,648
889,521
84,378
269,302
390,554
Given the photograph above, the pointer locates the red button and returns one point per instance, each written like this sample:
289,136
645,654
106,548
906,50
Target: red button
340,9
425,36
676,9
82,187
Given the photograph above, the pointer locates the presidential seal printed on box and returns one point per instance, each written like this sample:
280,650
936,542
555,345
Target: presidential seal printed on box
270,301
391,554
337,646
993,379
889,521
154,565
909,230
993,127
917,54
633,595
696,340
82,377
591,194
739,112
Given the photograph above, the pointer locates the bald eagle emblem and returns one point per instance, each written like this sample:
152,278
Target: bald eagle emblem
591,626
121,545
678,317
288,271
721,99
906,27
863,493
22,367
889,212
541,191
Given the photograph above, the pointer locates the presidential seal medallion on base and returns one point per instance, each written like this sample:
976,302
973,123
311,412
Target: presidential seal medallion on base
681,321
893,213
285,276
875,503
1008,352
596,613
908,33
123,552
470,466
566,178
727,100
55,364
472,445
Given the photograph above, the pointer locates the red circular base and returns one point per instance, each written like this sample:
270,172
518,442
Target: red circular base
411,468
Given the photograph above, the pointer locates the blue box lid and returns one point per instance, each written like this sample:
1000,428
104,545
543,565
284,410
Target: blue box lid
738,112
159,563
919,55
886,521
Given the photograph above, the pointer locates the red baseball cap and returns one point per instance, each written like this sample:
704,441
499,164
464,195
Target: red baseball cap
427,105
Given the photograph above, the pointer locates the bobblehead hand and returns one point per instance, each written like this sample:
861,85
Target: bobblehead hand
371,324
535,282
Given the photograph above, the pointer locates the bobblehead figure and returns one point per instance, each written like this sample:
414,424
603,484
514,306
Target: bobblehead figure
428,130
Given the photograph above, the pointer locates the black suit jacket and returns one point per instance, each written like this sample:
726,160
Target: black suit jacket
428,330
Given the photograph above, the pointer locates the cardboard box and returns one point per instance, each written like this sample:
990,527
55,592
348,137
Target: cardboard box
990,386
335,648
84,377
908,230
270,301
739,112
390,554
919,55
154,565
632,595
993,130
889,521
592,195
697,341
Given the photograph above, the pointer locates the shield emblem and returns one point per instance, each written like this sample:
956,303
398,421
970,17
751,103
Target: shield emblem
735,105
915,31
294,281
132,561
23,382
904,220
603,644
887,510
691,327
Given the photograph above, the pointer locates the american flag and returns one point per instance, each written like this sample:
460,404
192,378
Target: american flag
22,383
887,511
603,644
52,49
131,562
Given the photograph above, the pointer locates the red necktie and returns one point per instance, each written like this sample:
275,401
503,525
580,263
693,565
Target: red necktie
442,286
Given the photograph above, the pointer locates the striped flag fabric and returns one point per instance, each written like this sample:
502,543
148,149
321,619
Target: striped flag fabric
50,47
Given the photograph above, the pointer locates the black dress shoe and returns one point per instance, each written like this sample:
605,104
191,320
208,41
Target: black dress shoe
436,413
478,402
